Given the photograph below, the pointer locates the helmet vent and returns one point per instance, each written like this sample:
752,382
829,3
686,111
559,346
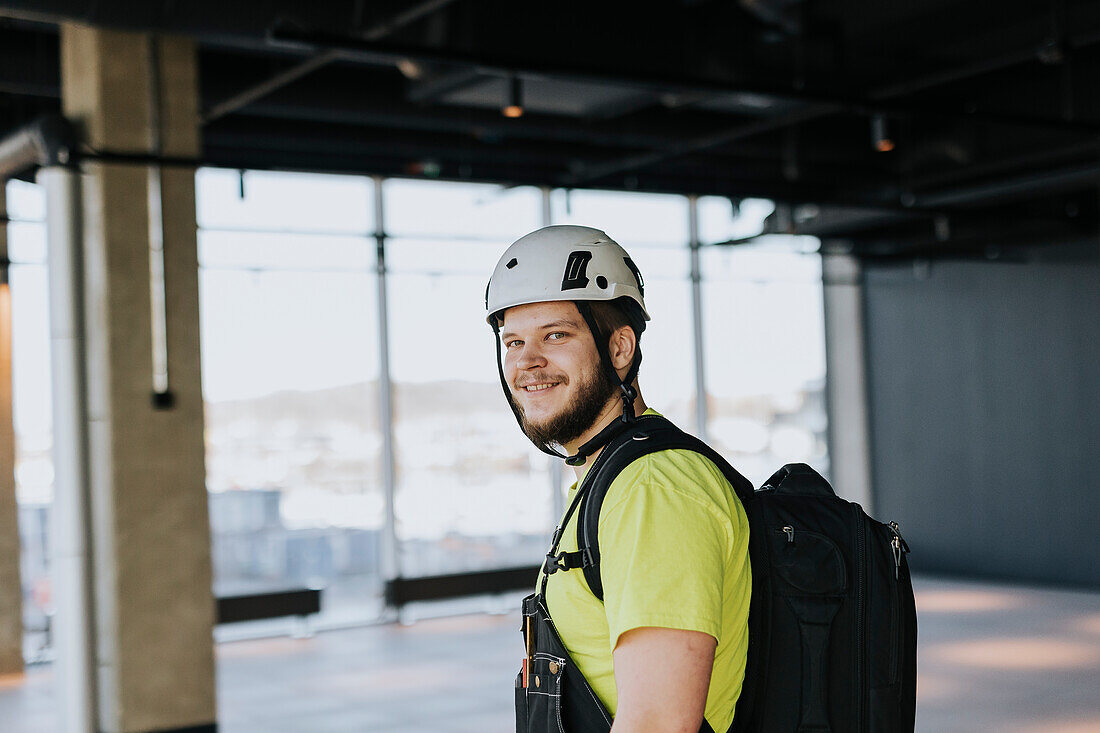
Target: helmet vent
512,263
637,274
601,282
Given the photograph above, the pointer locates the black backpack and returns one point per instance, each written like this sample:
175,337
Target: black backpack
832,623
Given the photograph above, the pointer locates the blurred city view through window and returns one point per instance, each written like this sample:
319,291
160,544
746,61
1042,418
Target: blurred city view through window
292,355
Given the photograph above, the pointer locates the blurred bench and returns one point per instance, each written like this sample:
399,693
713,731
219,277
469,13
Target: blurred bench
401,591
265,604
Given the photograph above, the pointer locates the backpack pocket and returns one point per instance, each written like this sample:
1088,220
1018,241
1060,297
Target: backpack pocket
807,563
810,575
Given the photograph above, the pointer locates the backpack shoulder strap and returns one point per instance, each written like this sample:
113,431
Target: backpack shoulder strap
652,435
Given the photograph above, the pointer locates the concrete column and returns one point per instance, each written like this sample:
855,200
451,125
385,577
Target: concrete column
846,381
11,590
154,607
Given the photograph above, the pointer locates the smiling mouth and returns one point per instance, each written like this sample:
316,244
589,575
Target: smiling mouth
539,387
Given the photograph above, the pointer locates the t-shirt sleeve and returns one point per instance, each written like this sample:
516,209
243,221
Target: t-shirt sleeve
663,551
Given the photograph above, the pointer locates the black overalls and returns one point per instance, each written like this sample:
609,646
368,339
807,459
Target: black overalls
552,696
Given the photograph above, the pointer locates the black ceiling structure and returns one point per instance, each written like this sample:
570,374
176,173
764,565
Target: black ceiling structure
896,129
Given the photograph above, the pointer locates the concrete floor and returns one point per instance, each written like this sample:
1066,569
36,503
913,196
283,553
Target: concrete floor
992,658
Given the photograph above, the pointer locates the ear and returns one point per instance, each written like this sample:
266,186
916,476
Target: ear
621,346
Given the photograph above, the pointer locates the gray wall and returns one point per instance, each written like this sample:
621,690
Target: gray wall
984,382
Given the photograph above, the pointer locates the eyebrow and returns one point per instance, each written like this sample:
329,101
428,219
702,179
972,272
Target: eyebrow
561,323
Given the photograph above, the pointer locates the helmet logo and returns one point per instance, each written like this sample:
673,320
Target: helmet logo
575,270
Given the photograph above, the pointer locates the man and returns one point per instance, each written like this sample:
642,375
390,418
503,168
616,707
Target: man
666,649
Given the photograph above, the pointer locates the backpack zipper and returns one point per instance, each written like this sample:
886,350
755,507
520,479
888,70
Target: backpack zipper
898,546
861,622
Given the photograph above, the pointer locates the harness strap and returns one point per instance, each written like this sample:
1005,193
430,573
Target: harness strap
587,558
550,566
659,435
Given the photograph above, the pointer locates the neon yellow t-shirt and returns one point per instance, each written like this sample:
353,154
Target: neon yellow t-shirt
673,554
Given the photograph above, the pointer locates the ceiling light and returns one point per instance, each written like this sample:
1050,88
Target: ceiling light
881,139
410,69
514,108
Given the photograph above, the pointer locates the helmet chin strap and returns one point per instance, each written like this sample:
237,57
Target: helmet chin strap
626,392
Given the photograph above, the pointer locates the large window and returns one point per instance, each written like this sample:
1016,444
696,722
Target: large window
292,360
763,330
472,492
290,366
31,405
654,229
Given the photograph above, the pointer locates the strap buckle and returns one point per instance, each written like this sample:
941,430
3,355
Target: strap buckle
568,560
554,563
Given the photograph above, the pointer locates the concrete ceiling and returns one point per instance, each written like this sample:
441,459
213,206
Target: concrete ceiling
989,105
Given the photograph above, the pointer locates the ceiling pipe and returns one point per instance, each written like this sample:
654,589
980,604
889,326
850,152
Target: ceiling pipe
1007,189
47,141
877,102
875,97
324,58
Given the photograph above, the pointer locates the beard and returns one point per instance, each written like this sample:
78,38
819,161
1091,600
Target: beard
594,390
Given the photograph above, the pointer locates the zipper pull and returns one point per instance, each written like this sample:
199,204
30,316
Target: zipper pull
895,546
789,531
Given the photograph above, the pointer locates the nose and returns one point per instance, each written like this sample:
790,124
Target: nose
530,356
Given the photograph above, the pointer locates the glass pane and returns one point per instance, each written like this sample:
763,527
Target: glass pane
26,201
631,219
290,368
283,201
293,441
445,257
287,252
32,410
721,221
764,342
472,492
653,228
443,209
31,399
27,242
667,374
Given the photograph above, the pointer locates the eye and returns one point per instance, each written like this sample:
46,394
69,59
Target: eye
559,334
513,342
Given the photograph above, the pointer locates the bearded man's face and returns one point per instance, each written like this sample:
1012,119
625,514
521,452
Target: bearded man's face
553,371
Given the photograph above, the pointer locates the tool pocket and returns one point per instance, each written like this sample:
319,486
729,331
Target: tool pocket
538,706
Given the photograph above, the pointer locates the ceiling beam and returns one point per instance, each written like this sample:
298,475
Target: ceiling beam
319,60
879,101
882,94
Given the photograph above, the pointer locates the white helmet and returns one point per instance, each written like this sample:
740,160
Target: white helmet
571,263
563,262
